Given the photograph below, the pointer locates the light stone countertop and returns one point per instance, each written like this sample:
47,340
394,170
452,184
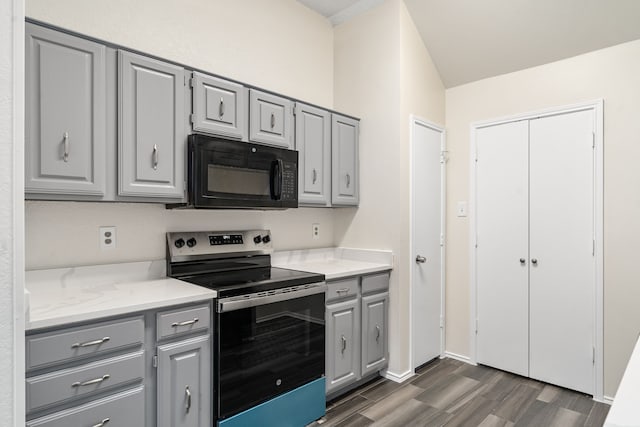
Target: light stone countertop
625,411
335,263
67,295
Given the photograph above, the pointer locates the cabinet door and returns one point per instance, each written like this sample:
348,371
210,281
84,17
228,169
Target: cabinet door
271,119
374,332
65,114
502,218
152,140
344,161
184,383
342,342
219,107
313,142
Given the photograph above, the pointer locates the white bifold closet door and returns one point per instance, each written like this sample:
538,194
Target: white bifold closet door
535,266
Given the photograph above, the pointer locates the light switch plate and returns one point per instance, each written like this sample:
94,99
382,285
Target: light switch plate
461,210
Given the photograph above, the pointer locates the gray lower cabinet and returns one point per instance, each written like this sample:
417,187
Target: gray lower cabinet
313,142
356,330
344,161
184,383
151,128
65,118
219,107
342,344
270,119
146,369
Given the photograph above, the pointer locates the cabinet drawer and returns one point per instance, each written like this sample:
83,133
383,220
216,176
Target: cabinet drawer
271,119
342,289
183,321
63,346
375,283
120,410
45,390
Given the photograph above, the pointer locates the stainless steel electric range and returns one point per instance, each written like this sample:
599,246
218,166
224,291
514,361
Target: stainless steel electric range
269,343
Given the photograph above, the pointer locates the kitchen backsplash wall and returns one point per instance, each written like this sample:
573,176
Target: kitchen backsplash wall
61,234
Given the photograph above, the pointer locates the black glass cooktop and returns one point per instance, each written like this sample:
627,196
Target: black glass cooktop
250,280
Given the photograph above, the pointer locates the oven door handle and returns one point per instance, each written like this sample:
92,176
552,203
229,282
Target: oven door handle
230,304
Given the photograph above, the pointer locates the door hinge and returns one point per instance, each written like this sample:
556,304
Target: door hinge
295,110
593,140
593,247
444,156
192,82
594,355
441,322
192,118
476,326
441,239
154,361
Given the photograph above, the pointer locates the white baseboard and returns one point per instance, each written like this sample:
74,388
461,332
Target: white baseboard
459,357
398,378
608,400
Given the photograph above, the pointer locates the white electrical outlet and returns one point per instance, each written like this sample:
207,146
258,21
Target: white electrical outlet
107,237
315,231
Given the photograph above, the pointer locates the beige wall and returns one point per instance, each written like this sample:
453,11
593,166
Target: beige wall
280,45
611,74
382,74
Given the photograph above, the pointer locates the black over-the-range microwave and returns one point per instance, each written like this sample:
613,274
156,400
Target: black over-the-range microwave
224,173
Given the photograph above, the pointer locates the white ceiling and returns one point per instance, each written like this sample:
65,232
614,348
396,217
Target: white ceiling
472,39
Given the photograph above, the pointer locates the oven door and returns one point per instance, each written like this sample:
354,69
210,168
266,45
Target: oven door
267,347
230,174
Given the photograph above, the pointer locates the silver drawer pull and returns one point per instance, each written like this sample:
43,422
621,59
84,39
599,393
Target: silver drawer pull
273,120
221,108
101,423
377,333
344,344
65,143
155,156
90,343
342,291
91,382
188,393
185,323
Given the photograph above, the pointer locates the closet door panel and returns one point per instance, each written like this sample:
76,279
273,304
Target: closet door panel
562,269
502,238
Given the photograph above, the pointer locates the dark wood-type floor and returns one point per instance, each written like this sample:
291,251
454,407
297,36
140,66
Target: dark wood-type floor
450,393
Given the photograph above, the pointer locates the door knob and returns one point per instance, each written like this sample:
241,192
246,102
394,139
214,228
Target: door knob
420,259
534,261
522,261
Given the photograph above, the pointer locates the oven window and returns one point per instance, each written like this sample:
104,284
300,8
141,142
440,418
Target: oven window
267,350
233,180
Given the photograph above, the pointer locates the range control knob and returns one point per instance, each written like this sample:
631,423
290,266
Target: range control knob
257,239
179,243
266,238
191,242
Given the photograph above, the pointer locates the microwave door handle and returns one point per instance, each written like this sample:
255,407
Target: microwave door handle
276,179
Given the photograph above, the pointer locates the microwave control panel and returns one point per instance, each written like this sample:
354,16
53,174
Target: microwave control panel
289,179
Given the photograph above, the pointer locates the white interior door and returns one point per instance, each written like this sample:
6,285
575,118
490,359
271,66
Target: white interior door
562,270
502,310
427,250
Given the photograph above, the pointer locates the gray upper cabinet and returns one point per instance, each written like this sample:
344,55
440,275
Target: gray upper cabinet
151,129
270,119
374,332
65,114
184,383
344,161
219,107
313,142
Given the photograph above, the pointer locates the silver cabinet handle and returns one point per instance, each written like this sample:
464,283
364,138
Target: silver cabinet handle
315,176
344,344
185,323
90,382
348,180
221,108
101,423
377,333
522,261
273,120
420,259
342,291
187,392
65,143
90,343
155,156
